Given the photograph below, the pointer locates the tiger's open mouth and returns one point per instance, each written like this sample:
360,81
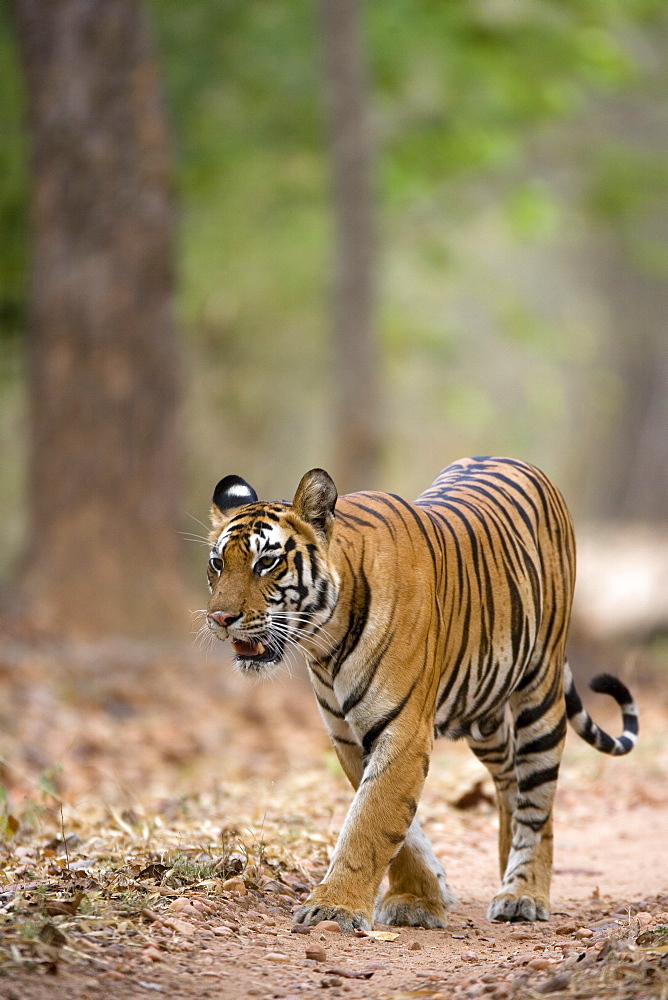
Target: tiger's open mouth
264,650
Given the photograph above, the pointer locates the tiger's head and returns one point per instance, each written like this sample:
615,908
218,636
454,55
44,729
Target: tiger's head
270,578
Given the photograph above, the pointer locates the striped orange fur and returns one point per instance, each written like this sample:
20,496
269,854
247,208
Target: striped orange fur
446,616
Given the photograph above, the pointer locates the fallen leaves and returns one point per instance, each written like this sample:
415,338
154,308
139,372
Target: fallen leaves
134,897
9,826
163,861
60,906
654,940
50,934
153,871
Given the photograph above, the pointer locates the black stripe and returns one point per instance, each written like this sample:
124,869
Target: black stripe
374,513
498,498
312,551
530,715
481,701
516,617
603,741
357,618
260,526
360,690
573,702
301,589
436,561
319,602
351,519
375,731
323,680
548,741
459,706
331,711
491,755
532,824
515,487
439,519
538,778
450,683
341,739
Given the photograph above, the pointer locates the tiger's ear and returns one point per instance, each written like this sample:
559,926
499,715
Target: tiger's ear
315,500
231,492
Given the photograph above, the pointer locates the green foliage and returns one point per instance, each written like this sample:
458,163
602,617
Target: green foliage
458,89
13,187
492,133
461,83
626,191
464,97
533,212
243,85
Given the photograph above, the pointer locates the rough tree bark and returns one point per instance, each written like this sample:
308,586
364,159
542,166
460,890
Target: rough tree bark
357,401
103,552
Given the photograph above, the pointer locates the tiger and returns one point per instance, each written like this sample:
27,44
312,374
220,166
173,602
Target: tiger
444,617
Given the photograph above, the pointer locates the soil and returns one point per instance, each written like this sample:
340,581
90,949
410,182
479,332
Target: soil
164,818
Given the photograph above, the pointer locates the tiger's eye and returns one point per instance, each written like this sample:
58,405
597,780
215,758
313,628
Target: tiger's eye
266,562
216,564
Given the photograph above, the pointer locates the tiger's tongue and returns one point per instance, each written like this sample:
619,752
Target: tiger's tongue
242,648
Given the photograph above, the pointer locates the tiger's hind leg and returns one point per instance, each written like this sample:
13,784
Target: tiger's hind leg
494,746
540,730
418,895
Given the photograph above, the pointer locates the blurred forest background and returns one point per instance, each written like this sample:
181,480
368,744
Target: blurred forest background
374,237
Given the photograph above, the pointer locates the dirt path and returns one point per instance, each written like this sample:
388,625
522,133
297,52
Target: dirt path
139,930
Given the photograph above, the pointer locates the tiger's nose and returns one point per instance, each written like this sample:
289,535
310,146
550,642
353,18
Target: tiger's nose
221,618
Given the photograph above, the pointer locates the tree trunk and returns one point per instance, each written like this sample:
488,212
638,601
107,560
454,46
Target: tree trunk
357,401
632,482
103,553
625,471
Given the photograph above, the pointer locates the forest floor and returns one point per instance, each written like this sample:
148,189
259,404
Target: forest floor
163,818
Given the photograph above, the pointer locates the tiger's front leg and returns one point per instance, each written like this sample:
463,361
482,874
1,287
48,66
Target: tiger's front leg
374,831
418,894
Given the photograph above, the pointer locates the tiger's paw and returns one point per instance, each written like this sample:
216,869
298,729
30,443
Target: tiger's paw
406,910
348,920
511,908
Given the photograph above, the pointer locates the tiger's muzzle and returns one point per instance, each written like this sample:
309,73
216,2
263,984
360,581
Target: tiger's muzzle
254,651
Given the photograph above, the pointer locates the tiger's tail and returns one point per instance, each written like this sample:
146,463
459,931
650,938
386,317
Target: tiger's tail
584,725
